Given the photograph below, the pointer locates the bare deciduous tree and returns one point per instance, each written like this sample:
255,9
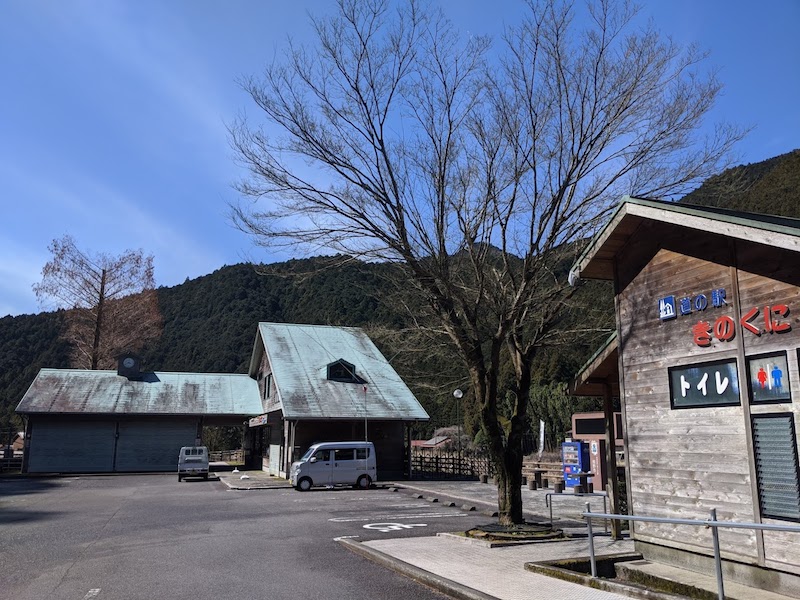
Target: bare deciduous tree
478,172
111,302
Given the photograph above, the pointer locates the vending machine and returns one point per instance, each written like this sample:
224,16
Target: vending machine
574,459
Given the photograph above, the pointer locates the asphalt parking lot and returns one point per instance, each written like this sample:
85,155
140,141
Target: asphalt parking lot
146,536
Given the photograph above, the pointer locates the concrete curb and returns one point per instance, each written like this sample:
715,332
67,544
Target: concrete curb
440,584
486,508
419,492
233,486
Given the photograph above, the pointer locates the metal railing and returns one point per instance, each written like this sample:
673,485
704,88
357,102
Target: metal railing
550,496
711,523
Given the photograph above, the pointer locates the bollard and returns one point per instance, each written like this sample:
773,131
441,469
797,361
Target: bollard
591,488
545,482
484,479
559,487
532,484
578,489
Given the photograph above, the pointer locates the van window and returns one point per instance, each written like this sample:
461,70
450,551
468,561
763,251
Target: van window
343,454
324,455
362,453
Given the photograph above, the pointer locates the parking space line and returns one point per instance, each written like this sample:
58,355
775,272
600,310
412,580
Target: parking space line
395,517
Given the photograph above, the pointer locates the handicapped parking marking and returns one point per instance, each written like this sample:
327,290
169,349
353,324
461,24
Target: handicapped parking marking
387,527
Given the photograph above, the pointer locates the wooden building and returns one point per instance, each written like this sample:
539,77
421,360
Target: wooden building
129,420
306,384
327,384
705,360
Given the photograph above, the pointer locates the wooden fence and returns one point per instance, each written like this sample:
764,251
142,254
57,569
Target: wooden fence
10,464
444,464
230,456
449,465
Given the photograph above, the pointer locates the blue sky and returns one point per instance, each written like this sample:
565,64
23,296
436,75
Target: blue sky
112,115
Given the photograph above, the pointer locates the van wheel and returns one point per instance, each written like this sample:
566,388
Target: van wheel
205,476
304,484
363,482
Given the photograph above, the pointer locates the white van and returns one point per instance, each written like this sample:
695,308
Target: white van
193,462
335,463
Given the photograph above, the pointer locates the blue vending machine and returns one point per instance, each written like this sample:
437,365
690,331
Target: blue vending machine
574,459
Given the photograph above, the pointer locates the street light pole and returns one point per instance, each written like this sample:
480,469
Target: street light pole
458,394
365,414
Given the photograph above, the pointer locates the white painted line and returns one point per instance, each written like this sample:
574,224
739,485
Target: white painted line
345,537
395,517
92,594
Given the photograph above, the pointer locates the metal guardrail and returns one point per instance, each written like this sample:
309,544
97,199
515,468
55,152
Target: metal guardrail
549,503
10,464
711,523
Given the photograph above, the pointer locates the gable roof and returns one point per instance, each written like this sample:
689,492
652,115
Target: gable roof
600,371
299,356
596,261
65,391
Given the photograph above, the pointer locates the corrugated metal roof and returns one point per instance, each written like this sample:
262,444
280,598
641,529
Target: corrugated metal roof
104,392
299,356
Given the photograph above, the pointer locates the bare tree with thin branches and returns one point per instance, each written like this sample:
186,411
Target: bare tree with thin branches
111,303
478,171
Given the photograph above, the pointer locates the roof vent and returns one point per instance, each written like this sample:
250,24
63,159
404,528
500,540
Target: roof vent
343,371
129,365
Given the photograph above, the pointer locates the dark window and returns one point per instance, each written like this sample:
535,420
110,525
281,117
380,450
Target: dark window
323,455
268,386
362,453
775,447
705,384
343,371
343,454
595,426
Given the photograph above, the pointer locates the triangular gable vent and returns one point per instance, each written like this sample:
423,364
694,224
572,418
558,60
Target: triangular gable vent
343,371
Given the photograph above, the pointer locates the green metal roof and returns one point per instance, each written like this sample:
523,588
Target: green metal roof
299,356
66,391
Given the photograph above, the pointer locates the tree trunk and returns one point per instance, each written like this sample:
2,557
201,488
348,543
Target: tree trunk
508,477
505,450
98,322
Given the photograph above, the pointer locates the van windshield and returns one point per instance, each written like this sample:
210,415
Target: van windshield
308,453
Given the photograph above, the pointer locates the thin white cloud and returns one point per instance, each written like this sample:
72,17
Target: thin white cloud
20,268
149,43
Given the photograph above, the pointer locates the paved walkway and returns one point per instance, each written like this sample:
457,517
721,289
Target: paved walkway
499,572
470,569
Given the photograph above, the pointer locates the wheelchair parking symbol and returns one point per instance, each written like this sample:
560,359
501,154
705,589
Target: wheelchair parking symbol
387,527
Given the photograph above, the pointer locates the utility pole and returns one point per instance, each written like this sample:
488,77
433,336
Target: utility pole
458,394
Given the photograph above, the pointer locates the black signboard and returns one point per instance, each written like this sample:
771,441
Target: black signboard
704,384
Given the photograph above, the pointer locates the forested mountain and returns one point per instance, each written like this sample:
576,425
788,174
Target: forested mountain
771,187
210,322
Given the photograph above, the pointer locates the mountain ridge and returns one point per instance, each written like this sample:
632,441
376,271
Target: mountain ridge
209,321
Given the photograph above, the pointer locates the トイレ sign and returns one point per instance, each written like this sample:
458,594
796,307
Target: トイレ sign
708,384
